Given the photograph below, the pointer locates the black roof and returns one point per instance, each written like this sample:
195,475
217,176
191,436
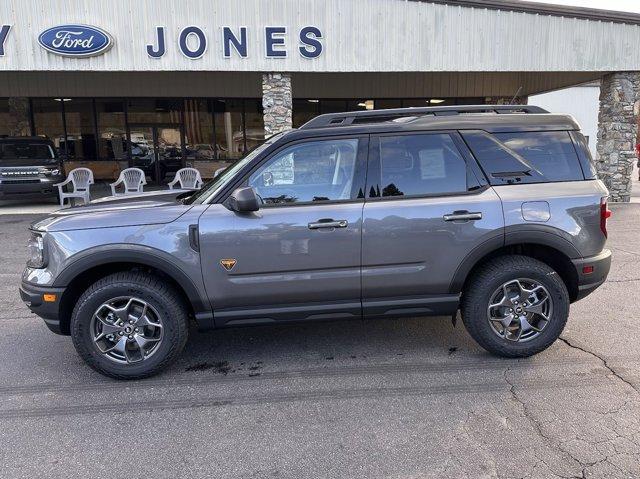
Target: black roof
511,118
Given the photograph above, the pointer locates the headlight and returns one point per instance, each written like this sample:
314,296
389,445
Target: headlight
35,251
51,171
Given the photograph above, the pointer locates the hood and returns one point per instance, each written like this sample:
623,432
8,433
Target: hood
28,163
155,207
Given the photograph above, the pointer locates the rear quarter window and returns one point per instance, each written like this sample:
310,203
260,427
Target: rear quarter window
526,157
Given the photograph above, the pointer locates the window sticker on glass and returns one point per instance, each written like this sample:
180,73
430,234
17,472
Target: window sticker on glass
431,164
280,172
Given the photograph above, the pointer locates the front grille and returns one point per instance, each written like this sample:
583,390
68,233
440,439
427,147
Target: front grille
17,182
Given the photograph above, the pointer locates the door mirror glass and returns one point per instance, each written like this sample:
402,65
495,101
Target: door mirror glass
244,200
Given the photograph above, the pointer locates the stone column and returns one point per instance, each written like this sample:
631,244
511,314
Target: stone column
617,131
277,102
19,116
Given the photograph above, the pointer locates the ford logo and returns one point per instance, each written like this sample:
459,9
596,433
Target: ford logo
75,40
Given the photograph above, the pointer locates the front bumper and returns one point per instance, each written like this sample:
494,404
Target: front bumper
29,187
589,282
33,297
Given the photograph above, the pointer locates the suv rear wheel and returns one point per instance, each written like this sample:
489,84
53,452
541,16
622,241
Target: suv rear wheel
516,306
129,325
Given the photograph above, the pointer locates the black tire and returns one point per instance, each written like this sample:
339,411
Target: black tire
493,274
149,288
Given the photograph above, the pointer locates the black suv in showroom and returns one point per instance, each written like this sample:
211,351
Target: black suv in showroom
29,168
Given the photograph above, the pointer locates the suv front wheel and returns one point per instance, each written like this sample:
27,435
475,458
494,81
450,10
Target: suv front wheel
129,325
515,306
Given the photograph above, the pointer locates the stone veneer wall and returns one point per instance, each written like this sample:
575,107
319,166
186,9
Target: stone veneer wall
277,102
19,116
617,131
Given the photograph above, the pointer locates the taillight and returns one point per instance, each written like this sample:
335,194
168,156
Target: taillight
605,214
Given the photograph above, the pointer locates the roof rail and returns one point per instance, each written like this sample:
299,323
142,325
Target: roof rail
351,117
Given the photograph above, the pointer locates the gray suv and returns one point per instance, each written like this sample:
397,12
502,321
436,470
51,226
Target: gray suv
494,211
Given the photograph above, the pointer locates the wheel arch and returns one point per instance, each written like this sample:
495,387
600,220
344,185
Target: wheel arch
551,249
94,265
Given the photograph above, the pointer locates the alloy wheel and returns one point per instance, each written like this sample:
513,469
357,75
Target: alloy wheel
126,329
519,310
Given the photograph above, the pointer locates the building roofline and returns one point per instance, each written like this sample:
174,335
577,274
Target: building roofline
546,9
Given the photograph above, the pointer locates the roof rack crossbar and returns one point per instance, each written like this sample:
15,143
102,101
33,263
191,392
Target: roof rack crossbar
347,118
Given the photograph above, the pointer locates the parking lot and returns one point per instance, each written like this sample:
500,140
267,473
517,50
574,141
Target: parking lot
391,398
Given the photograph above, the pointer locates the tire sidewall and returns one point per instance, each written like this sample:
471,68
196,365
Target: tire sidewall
82,336
477,323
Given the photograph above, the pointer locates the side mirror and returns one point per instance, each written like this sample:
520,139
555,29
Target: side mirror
244,200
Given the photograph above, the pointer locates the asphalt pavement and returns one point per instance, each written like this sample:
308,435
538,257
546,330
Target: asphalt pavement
406,398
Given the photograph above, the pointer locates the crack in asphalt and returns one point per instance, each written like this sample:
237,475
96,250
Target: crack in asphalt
584,466
604,362
538,428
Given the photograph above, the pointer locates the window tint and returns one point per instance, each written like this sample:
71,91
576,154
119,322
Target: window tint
526,157
582,147
550,152
312,171
22,150
420,165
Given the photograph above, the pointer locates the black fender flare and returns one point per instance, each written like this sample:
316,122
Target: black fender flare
518,234
145,255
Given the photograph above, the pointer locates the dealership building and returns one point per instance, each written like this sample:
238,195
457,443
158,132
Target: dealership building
199,82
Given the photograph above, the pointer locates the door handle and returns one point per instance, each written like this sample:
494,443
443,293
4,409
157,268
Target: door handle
328,223
462,216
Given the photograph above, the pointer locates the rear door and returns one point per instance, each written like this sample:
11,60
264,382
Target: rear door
428,208
298,257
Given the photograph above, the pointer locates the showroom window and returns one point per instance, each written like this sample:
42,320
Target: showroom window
5,120
154,110
254,123
49,121
198,130
112,129
229,128
81,131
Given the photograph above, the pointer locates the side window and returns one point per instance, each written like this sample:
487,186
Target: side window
424,164
308,172
582,147
525,157
551,153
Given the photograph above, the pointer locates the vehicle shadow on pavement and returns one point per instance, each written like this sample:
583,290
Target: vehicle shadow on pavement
319,343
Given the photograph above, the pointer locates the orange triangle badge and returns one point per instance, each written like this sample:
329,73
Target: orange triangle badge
228,264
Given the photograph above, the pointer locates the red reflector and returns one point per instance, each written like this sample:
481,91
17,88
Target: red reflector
587,269
605,213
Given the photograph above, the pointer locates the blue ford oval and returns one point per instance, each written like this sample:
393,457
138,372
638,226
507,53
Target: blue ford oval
75,40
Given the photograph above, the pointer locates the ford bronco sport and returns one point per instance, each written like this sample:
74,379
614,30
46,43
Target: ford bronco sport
494,211
29,168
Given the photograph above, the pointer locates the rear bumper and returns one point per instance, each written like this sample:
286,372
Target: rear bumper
49,311
589,282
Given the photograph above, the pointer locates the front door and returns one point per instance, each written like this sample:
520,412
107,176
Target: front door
298,257
426,211
157,150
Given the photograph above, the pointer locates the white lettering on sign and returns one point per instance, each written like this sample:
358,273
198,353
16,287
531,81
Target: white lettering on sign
65,38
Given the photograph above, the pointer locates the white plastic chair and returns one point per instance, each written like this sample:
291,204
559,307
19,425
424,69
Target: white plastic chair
81,179
133,180
189,179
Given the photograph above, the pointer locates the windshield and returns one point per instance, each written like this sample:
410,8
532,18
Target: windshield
220,181
22,150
